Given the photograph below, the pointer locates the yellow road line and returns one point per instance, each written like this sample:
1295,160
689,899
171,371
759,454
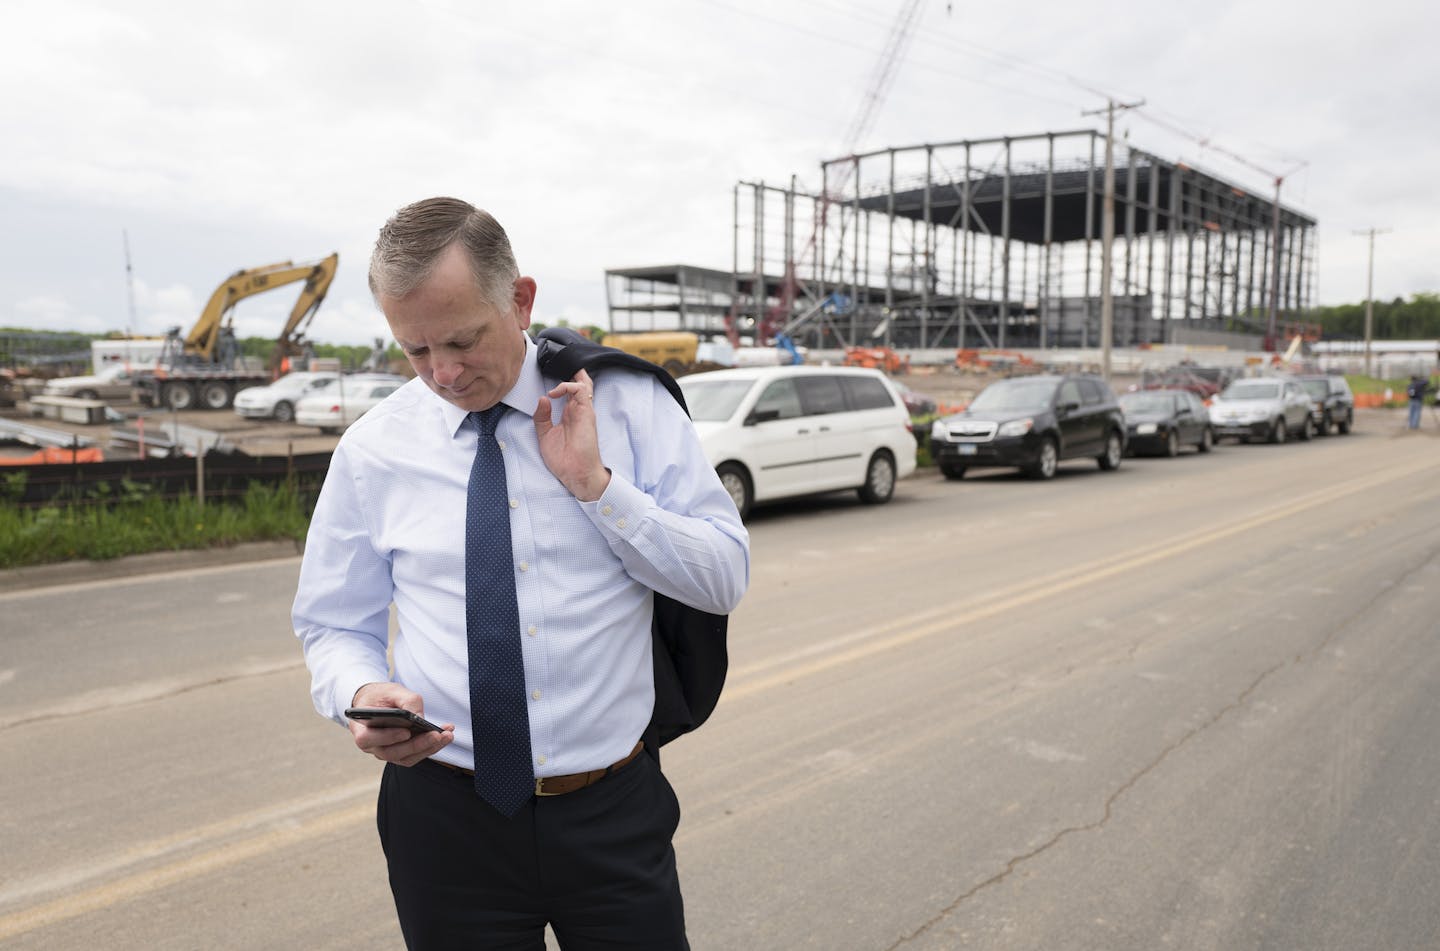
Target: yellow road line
133,886
97,867
955,614
911,628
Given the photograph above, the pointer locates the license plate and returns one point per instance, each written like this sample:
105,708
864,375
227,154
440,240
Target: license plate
966,450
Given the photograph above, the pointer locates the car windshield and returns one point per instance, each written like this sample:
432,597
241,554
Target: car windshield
713,401
1251,390
1319,389
1007,395
1146,402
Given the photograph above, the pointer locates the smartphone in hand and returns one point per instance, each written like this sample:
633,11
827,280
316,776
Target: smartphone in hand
393,717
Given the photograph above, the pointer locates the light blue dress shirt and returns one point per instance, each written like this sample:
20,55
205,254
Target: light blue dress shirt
389,527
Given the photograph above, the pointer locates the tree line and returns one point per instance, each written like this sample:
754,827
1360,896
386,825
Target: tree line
1415,319
350,356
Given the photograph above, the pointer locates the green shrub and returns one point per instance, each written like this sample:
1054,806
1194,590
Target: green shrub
133,520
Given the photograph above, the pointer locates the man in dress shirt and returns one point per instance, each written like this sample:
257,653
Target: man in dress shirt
610,499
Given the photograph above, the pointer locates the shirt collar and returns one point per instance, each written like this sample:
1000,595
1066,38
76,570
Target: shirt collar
523,396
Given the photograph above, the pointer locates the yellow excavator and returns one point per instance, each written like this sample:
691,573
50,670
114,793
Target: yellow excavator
203,368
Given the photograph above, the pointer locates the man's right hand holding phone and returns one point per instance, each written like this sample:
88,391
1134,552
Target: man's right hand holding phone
394,744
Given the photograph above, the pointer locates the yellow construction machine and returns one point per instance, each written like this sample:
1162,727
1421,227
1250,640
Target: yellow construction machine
204,367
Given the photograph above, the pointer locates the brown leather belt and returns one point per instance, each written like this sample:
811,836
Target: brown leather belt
560,785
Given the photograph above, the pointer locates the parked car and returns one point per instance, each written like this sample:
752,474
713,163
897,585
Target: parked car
1268,408
1204,385
916,402
1159,422
343,402
1332,403
1032,423
785,431
111,383
277,401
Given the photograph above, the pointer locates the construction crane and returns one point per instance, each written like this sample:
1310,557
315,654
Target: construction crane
882,78
886,69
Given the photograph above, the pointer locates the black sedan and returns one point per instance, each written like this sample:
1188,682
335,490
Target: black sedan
1159,422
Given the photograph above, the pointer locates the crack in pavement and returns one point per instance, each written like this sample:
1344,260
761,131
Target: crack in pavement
1018,860
106,700
1239,701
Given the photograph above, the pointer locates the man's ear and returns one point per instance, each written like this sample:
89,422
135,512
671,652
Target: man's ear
524,300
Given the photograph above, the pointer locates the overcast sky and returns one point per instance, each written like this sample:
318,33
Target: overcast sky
227,135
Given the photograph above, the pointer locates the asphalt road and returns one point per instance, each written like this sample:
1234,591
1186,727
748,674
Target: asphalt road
1189,704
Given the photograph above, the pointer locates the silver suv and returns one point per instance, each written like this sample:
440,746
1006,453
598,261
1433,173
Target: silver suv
1264,408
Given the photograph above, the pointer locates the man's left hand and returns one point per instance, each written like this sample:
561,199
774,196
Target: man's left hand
571,449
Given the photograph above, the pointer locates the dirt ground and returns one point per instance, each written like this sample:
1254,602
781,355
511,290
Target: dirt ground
948,386
256,437
951,387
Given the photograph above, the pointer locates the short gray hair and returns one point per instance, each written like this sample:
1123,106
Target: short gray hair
413,240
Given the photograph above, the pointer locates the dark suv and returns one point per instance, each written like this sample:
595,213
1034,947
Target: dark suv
1332,403
1032,423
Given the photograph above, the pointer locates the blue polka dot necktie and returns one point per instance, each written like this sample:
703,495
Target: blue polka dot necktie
499,721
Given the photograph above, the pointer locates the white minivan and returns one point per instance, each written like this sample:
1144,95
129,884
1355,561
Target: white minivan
780,432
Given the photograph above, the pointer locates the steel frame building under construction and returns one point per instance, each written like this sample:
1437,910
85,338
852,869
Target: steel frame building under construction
988,243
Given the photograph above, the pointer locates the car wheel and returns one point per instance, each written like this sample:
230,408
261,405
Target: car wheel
1207,439
1343,427
1172,444
330,430
951,470
1047,462
1326,425
215,395
737,483
178,396
1110,458
284,412
1305,429
87,395
1278,432
879,480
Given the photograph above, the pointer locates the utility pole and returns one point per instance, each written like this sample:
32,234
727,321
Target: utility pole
1107,233
1370,292
129,282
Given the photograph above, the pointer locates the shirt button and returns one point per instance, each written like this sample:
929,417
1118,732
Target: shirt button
531,630
501,444
536,694
524,566
620,524
540,760
514,504
606,510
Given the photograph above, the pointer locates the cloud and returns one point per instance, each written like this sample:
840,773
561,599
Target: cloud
607,135
55,313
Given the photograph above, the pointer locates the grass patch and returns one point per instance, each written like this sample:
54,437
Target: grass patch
1374,386
920,424
132,522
